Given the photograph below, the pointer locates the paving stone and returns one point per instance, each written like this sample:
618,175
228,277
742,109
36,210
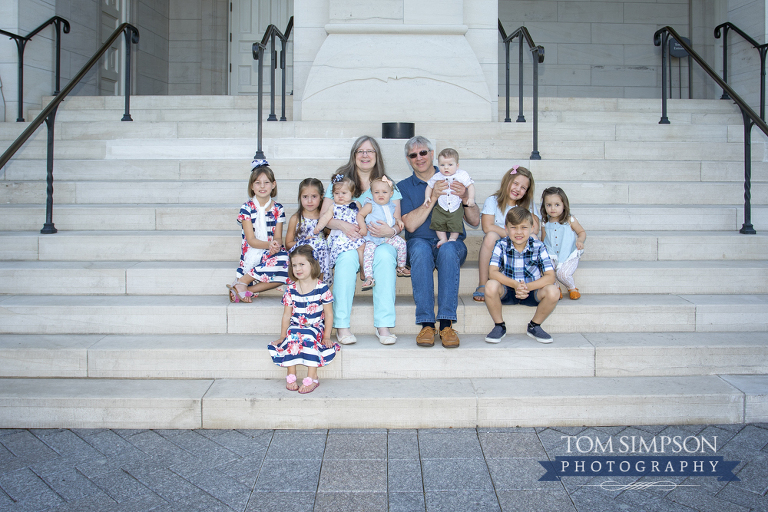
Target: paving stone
110,444
404,476
281,502
310,431
244,470
281,475
754,476
23,483
650,503
223,488
452,474
159,450
255,432
126,433
203,448
504,445
519,474
71,485
743,497
653,429
168,433
406,502
351,502
702,501
595,500
464,500
462,444
201,502
27,447
569,431
358,431
297,446
745,443
356,446
164,483
39,502
69,445
553,443
523,500
88,504
403,445
122,487
241,444
353,475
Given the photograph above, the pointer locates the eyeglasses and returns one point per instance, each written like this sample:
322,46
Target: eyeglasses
364,152
423,152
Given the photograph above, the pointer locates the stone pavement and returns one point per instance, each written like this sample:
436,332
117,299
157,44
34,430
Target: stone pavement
460,470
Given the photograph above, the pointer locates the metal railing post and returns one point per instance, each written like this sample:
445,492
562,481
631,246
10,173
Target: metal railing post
48,227
272,66
725,59
506,46
20,44
664,45
129,35
283,66
535,153
520,116
259,54
747,228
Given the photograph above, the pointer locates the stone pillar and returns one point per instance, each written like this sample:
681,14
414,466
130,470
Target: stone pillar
395,60
21,17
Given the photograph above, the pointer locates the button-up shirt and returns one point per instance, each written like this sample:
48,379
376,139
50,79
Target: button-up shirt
526,266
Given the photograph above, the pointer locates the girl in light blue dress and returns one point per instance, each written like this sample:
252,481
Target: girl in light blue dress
563,236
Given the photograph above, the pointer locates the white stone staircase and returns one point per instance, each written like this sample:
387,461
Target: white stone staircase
122,320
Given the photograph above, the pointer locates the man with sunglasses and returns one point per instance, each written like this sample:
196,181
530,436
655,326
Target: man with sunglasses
423,254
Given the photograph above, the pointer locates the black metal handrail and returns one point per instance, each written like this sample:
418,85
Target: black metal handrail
21,43
660,38
270,34
48,115
538,57
761,48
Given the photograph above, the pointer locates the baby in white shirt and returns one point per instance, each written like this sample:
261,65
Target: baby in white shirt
448,213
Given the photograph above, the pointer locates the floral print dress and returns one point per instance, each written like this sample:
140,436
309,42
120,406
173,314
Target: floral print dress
305,236
269,269
337,240
303,341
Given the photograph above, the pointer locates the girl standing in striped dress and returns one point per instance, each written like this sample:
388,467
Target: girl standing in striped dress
263,259
303,337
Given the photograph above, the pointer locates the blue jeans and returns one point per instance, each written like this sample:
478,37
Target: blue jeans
424,258
345,279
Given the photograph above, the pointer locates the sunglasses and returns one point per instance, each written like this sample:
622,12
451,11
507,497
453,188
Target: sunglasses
423,152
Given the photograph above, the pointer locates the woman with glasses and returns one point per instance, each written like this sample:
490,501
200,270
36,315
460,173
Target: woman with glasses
365,164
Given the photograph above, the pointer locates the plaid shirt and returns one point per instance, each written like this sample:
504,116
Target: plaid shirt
527,266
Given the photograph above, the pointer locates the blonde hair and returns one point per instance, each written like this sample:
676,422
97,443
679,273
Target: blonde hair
502,195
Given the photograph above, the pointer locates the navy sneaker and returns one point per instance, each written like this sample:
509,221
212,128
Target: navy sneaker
538,334
496,334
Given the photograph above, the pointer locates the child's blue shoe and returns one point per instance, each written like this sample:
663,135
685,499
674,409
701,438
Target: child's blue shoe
537,333
496,334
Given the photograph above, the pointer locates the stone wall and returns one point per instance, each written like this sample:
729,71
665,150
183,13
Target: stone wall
21,17
81,43
743,58
198,50
151,17
594,49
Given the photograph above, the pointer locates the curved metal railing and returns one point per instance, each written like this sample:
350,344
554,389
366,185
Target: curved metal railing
661,38
21,42
538,57
761,48
270,35
48,115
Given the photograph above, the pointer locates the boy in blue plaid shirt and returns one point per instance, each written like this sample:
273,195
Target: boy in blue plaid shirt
520,273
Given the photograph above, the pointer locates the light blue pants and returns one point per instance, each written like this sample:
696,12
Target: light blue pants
345,279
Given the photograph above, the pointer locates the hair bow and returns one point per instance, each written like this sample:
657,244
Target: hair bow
338,177
259,163
387,181
514,169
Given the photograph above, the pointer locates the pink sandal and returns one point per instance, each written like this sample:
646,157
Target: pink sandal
236,296
291,382
307,382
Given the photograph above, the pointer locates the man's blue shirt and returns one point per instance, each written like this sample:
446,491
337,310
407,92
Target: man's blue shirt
413,189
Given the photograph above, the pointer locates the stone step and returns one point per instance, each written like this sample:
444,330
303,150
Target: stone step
243,148
377,403
225,246
323,168
183,314
233,356
234,192
211,217
209,278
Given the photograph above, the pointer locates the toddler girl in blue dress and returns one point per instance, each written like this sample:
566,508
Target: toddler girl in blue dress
563,236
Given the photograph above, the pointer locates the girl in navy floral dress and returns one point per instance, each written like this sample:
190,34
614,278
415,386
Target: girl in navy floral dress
303,337
263,259
302,225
